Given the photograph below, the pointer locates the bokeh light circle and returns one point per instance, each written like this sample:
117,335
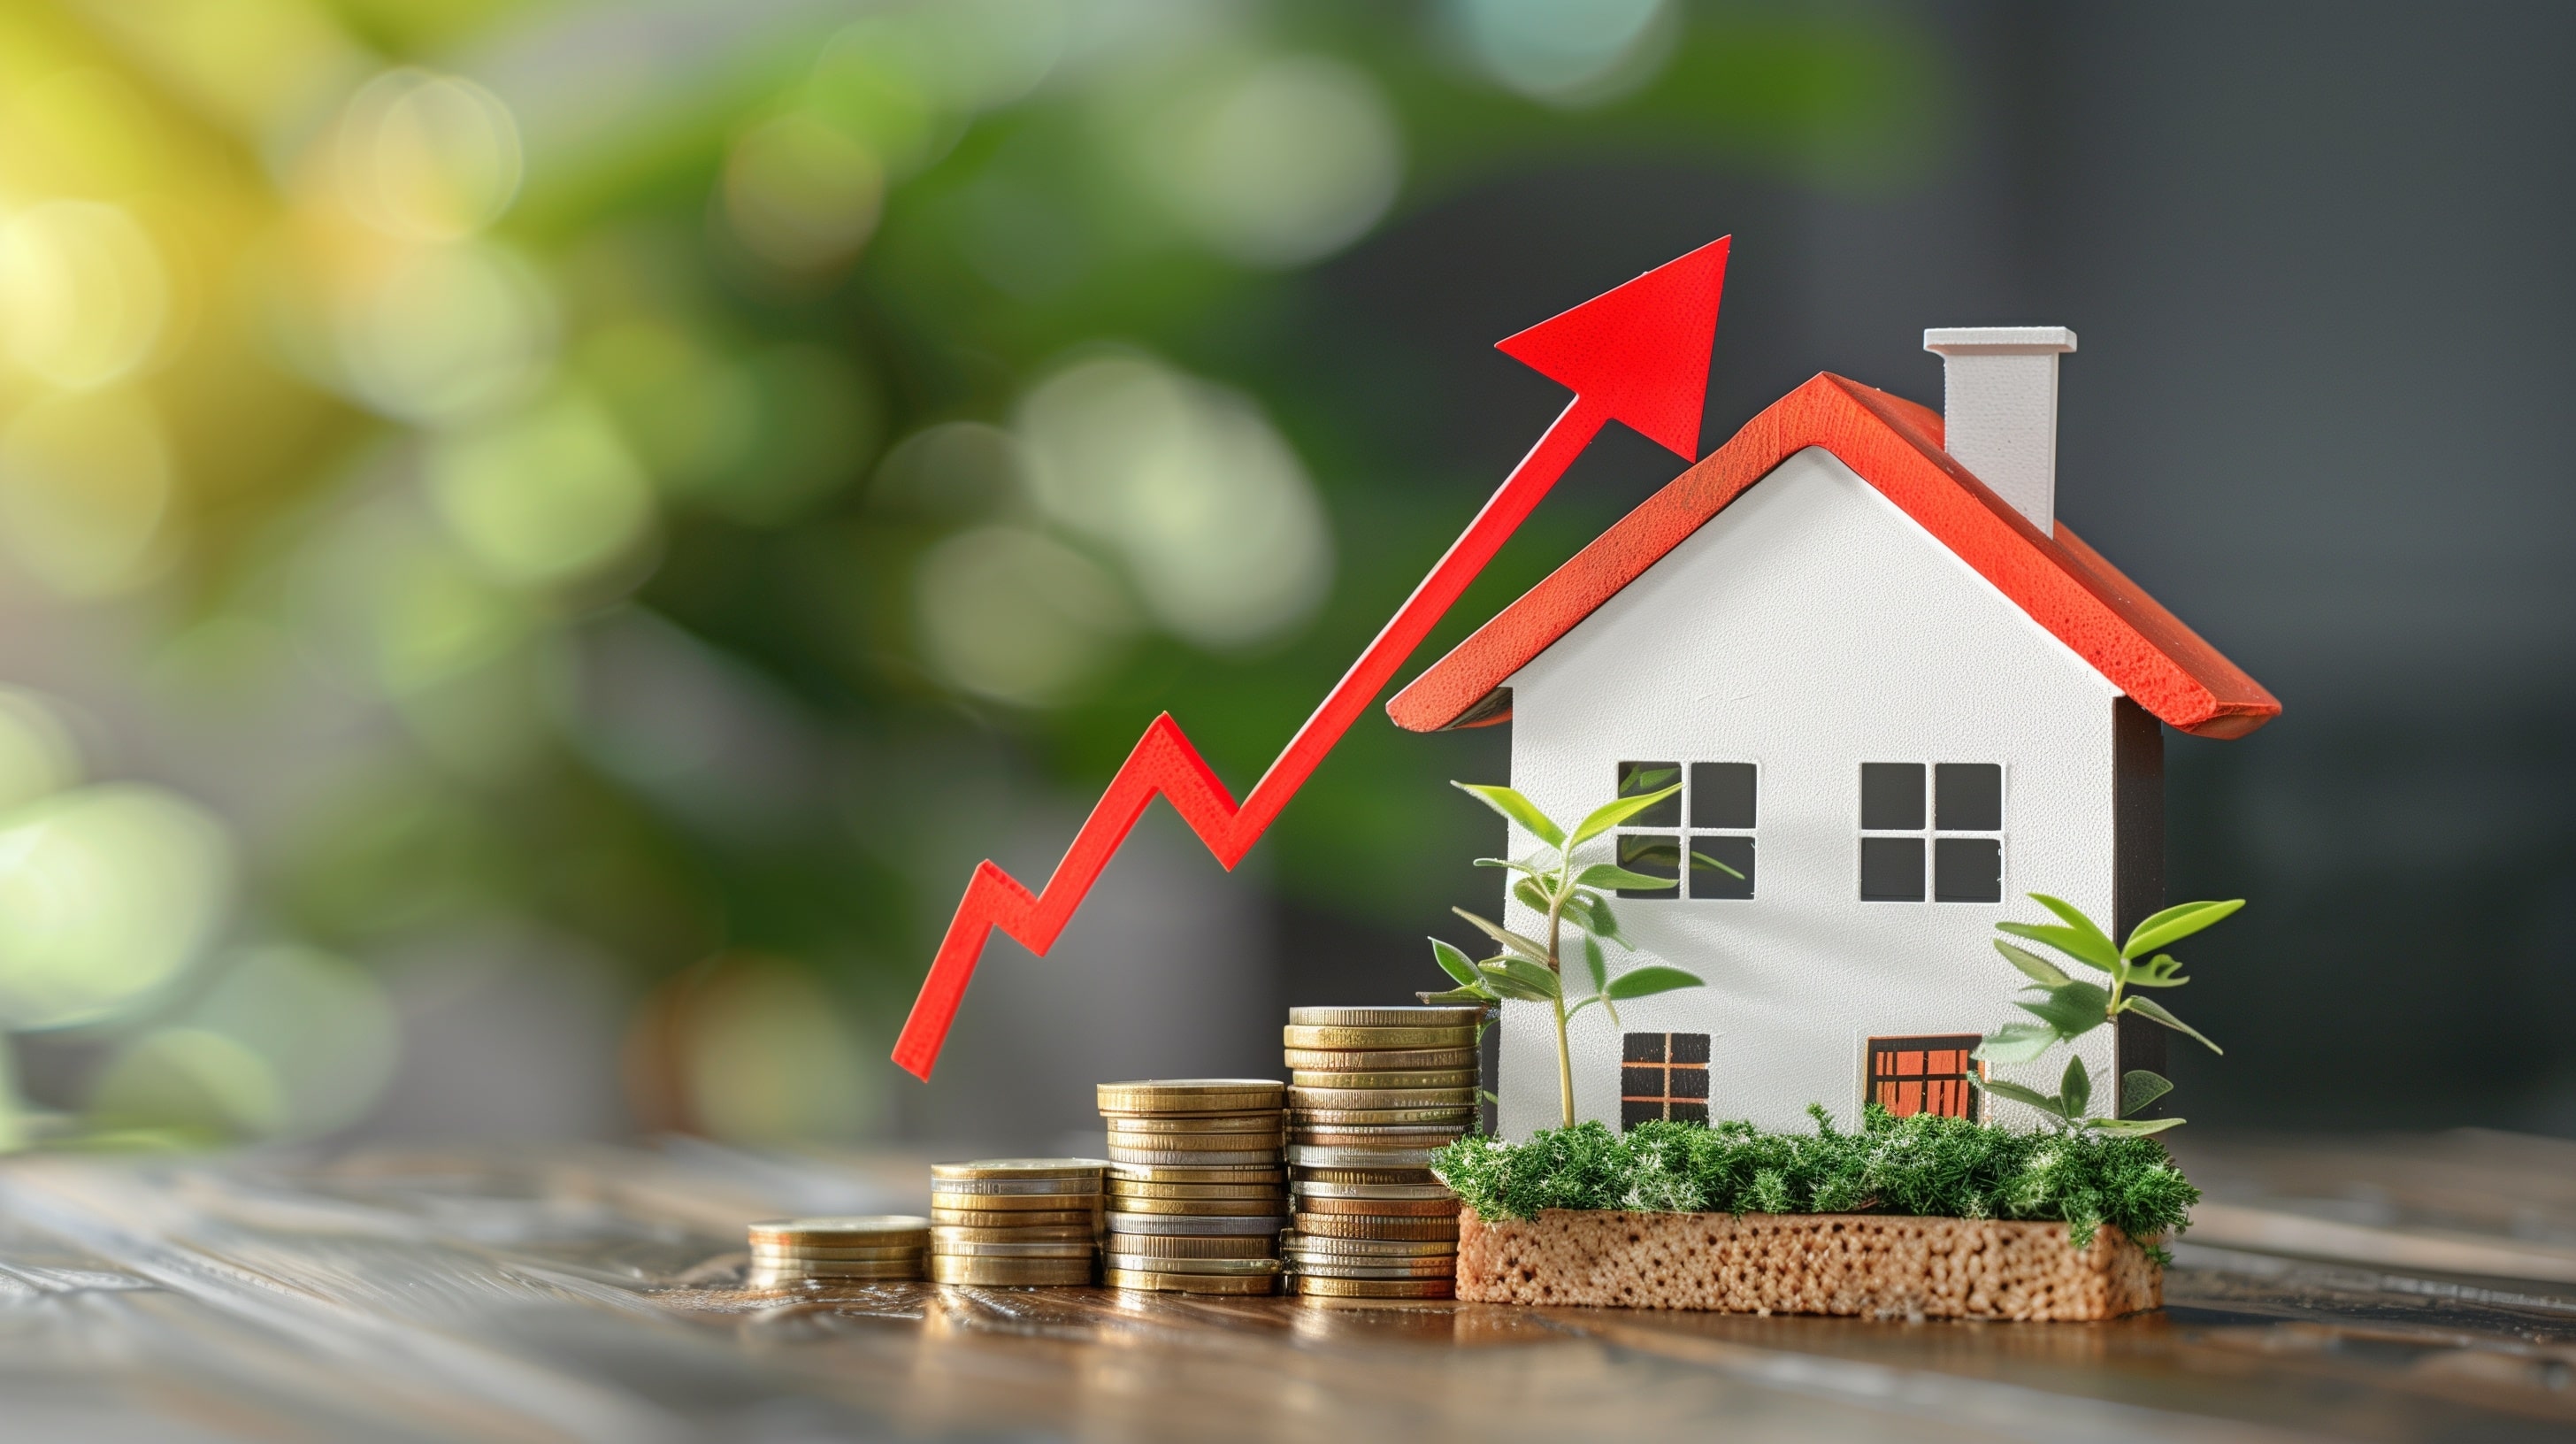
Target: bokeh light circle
106,895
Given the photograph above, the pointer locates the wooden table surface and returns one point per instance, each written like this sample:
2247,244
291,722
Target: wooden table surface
2385,1288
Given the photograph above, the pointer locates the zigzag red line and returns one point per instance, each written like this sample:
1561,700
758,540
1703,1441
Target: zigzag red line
1164,763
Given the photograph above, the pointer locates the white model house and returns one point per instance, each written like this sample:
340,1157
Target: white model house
1899,696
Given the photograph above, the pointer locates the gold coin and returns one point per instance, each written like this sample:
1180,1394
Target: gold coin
1192,1095
947,1237
1402,1078
1188,1158
1267,1120
1018,1187
1426,1139
1016,1202
1408,1015
1309,1155
1222,1267
1380,1207
771,1278
1366,1178
1347,1099
1259,1226
1270,1207
1377,1060
1324,1288
1121,1188
1391,1192
1343,1225
844,1230
1444,1117
1196,1142
1377,1040
1055,1249
1183,1245
1009,1272
987,1169
977,1218
760,1251
1171,1283
1355,1250
1163,1173
1419,1268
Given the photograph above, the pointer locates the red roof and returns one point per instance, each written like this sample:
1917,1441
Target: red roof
1895,446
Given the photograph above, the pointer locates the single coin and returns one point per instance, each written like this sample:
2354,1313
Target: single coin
1318,1188
1170,1283
1159,1173
1267,1120
1194,1142
1270,1207
1054,1248
770,1278
1365,1176
1182,1245
1155,1263
1407,1015
844,1230
1121,1188
1324,1288
1377,1060
972,1218
1420,1268
789,1252
1426,1139
1400,1078
1445,1116
1343,1225
1298,1245
1377,1040
1371,1159
943,1237
1186,1223
1191,1095
1381,1207
1209,1158
1019,1187
1340,1098
985,1169
1016,1202
1009,1272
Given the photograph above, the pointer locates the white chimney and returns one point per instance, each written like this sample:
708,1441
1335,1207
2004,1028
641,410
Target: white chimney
1999,409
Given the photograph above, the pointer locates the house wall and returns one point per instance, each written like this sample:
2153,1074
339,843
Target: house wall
1808,628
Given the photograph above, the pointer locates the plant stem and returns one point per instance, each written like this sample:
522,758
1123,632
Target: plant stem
1564,1065
1563,891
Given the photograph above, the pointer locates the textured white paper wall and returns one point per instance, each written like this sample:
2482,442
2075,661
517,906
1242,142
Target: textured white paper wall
1808,628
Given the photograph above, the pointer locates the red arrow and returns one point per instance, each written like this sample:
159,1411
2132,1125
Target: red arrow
1637,355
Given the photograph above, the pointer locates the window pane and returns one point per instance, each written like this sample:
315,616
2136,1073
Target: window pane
1891,869
1636,779
1689,1083
1655,855
1690,1112
1891,795
1644,1048
1690,1047
1641,1080
1968,797
1721,794
1707,881
1633,1112
1967,869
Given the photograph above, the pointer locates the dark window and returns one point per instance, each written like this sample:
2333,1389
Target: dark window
1721,795
1891,796
1967,869
1968,797
1891,870
1655,855
1636,779
1924,1075
1734,851
1663,1075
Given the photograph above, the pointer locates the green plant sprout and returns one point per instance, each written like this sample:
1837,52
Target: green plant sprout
1551,885
2074,1007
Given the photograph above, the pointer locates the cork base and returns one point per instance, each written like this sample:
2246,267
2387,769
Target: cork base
1827,1263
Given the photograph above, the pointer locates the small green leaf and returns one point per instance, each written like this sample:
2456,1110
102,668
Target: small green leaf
1453,962
2074,1009
2040,970
1537,981
1579,1007
2132,1127
1518,808
1704,860
1509,939
1610,874
2156,972
2147,1008
2075,1087
1610,814
2097,943
2019,1094
1648,981
2017,1043
2065,940
1471,993
2138,1088
1598,919
1529,895
1507,862
2176,923
1598,966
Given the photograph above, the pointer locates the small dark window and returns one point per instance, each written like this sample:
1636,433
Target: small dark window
1721,795
1966,797
1967,869
1924,1075
1891,796
1636,779
1655,855
1891,869
1663,1075
1735,852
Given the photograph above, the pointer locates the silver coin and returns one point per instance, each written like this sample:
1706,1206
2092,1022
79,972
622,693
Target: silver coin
1308,1188
1313,1155
1185,1223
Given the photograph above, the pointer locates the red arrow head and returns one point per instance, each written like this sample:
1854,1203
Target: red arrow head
1639,351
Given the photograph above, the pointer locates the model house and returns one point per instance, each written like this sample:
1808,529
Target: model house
1898,696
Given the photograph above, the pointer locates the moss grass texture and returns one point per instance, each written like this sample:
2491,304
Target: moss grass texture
1923,1165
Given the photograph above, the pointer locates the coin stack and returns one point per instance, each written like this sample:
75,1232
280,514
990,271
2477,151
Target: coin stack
881,1246
1195,1203
1015,1221
1372,1093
